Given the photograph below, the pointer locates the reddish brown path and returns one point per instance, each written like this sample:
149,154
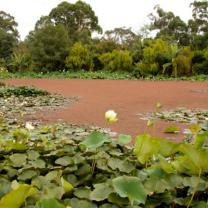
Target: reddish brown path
127,98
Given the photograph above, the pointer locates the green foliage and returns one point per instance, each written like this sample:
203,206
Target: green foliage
7,43
200,62
118,60
21,91
199,22
155,55
3,69
122,36
182,63
16,198
170,27
57,171
130,187
48,47
78,19
8,24
49,203
79,58
20,62
8,35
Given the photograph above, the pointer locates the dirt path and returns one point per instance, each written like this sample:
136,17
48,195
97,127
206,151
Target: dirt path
127,98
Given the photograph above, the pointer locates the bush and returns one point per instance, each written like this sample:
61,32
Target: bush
200,62
20,62
144,69
155,55
118,60
79,58
182,64
3,69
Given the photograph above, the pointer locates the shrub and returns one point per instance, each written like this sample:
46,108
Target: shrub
20,62
155,55
79,58
182,64
118,60
145,69
3,69
200,62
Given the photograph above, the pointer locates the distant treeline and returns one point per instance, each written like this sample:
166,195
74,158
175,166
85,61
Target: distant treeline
63,40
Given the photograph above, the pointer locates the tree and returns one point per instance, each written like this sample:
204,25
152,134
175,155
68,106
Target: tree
125,37
8,35
170,27
78,18
198,25
42,22
8,24
48,47
7,43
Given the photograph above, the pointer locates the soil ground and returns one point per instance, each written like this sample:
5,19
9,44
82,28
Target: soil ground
127,98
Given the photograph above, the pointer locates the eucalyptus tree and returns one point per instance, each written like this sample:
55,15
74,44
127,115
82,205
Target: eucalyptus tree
8,35
169,27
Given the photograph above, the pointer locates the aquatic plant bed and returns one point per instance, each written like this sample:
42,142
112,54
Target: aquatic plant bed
19,102
182,115
63,166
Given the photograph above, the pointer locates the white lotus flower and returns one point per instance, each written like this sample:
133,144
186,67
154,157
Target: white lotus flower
111,116
29,126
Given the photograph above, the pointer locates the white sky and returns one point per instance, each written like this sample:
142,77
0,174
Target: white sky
111,13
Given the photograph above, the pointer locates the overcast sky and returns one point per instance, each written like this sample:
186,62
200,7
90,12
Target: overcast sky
111,13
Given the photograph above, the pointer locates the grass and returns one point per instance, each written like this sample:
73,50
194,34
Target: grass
96,75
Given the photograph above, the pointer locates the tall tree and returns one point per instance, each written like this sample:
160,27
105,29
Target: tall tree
122,36
169,26
79,19
8,24
198,25
49,47
8,35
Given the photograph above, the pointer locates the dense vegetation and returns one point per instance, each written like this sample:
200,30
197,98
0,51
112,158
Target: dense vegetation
68,166
63,40
60,167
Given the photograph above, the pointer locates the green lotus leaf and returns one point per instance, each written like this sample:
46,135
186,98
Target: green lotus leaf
124,139
15,198
82,193
101,192
130,187
145,148
65,161
18,160
49,203
95,140
79,203
27,174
